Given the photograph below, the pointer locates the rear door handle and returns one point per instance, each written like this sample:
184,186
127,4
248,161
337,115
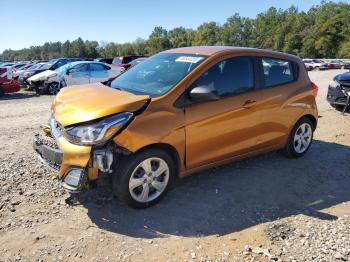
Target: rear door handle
249,103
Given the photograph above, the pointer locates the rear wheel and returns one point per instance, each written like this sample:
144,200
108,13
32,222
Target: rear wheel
1,91
141,180
300,138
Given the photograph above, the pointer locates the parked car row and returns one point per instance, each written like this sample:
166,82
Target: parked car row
50,76
75,73
318,64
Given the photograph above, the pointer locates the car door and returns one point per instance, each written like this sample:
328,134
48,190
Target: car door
280,105
98,73
78,74
229,126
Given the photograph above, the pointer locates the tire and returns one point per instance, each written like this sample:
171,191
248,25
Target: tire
1,91
53,88
40,91
317,68
298,146
128,168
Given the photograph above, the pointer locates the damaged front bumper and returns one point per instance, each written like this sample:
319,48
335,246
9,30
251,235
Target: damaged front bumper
76,165
336,96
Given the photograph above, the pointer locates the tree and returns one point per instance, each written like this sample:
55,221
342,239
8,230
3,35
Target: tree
158,40
207,34
78,48
236,31
66,49
140,46
323,31
91,49
180,37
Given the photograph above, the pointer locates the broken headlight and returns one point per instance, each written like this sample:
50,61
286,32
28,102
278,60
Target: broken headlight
334,84
97,132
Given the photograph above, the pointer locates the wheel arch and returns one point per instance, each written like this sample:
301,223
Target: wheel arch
312,119
167,148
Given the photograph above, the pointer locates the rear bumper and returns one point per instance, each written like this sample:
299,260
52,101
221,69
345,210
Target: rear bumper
11,87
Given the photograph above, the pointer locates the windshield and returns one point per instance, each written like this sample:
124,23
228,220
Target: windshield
46,66
35,66
63,69
158,74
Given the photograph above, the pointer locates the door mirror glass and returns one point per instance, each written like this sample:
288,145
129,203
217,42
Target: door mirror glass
203,94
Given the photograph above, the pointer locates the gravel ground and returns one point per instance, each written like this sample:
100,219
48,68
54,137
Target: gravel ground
266,208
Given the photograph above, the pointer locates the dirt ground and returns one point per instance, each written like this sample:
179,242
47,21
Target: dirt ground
223,214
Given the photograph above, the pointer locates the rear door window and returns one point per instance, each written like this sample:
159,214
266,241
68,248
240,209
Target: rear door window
117,60
127,59
97,67
277,71
79,68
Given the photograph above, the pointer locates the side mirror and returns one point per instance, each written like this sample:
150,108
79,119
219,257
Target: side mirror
203,94
68,72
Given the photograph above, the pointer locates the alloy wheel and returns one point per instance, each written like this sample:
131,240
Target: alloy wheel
149,180
54,88
302,138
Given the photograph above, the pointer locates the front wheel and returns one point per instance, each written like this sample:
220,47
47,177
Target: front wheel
53,88
300,138
141,180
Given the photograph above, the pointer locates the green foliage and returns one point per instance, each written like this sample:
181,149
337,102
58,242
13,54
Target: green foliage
158,40
323,31
207,34
236,31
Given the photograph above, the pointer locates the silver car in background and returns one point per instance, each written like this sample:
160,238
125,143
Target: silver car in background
75,73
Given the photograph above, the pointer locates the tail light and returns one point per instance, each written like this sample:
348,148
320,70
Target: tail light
314,88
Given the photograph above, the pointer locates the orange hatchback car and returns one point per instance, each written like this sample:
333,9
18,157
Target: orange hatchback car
176,113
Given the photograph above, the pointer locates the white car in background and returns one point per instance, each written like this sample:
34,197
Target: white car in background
315,64
75,73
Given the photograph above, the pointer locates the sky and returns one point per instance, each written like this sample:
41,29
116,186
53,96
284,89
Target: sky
33,22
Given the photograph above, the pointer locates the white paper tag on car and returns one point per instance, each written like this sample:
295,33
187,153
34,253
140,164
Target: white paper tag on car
189,59
9,73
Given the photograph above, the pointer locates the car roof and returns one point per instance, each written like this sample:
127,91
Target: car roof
212,50
86,62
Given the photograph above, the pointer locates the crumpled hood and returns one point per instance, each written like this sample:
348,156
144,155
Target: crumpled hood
42,75
82,103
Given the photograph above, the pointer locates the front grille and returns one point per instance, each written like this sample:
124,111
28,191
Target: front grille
48,151
345,83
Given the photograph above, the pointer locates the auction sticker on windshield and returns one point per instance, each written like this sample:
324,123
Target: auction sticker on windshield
189,59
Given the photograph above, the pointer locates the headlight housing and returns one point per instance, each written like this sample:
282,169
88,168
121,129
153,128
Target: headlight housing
98,132
334,84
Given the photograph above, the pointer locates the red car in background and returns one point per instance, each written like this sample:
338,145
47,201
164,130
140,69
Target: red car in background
124,61
7,83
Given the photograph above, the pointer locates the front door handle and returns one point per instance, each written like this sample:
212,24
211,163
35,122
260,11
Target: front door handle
248,103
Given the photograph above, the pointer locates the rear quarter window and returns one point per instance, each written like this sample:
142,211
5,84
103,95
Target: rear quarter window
278,71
